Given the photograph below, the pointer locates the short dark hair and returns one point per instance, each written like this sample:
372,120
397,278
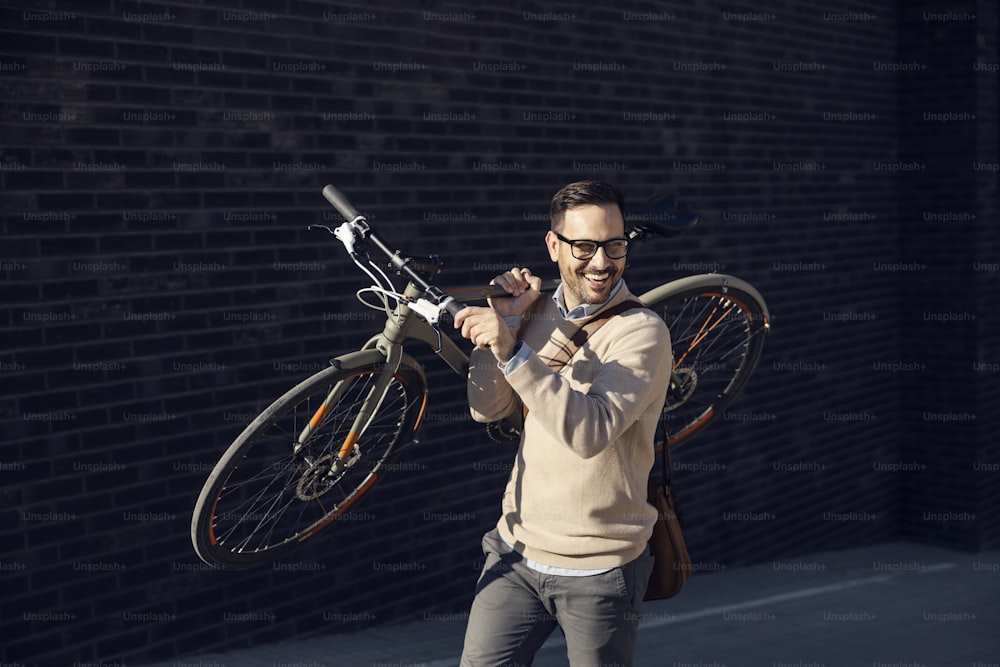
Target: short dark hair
580,193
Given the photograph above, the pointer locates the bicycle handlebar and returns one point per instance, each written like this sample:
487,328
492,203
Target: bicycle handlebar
452,305
494,291
341,203
673,223
399,262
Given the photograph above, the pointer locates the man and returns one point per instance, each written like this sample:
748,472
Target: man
570,548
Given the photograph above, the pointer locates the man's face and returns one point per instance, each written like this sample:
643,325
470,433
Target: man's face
588,280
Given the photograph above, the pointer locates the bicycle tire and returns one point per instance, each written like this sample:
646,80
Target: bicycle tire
717,328
267,494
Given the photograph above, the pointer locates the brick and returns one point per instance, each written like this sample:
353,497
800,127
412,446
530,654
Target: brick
61,202
94,48
27,42
28,180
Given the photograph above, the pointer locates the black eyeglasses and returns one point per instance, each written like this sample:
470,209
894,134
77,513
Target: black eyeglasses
581,249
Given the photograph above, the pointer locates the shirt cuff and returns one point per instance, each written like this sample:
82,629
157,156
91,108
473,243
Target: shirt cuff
521,354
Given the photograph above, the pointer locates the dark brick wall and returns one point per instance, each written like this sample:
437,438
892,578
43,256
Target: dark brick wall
987,280
948,215
160,165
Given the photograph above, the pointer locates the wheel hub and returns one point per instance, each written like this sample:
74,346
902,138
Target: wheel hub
315,479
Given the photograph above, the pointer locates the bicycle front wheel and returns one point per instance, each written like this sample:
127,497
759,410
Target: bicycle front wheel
283,479
717,326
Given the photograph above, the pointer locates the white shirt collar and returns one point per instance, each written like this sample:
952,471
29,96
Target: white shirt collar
584,309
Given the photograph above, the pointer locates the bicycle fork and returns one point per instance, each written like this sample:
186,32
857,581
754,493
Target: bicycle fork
349,451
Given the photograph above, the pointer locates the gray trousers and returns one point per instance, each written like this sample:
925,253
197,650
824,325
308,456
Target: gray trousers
517,608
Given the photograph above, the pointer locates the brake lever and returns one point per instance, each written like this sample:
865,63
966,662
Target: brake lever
431,313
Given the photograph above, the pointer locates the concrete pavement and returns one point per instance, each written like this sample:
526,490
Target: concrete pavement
890,605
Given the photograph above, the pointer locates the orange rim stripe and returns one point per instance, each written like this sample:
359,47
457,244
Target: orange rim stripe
211,522
341,509
693,427
420,415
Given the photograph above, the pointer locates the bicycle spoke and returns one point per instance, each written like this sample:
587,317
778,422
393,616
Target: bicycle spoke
254,507
276,493
268,514
716,342
706,328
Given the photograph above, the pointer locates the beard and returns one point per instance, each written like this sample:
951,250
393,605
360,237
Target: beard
586,291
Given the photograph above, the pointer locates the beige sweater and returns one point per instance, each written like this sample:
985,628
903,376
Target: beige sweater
576,497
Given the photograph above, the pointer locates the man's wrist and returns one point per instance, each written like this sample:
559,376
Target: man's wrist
521,354
513,353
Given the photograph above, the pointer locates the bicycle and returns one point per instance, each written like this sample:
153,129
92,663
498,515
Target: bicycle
317,449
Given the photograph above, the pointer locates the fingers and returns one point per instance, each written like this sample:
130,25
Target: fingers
521,277
460,316
534,282
484,328
516,281
469,319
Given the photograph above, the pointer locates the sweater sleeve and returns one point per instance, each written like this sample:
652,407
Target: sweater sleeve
491,397
634,371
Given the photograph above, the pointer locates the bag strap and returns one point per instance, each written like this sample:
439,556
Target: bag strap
586,331
576,342
668,485
580,337
666,463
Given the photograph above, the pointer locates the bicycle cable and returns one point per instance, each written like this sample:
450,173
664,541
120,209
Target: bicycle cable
384,296
384,288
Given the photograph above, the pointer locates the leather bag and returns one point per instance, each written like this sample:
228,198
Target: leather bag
672,565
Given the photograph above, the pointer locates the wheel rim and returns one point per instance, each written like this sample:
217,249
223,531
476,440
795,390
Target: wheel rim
714,337
280,493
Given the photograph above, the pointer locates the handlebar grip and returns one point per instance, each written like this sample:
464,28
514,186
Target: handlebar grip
340,202
453,305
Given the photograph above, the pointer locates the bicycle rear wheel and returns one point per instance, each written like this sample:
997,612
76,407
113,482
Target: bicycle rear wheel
717,326
281,480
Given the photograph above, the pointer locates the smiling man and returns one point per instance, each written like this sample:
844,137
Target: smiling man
570,547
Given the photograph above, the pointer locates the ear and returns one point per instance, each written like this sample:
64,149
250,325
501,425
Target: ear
552,243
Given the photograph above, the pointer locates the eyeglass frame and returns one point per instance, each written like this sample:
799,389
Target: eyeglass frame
598,245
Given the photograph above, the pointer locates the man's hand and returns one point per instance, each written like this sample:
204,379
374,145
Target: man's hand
523,289
485,327
487,331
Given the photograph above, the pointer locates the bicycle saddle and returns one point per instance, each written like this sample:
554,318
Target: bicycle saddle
660,216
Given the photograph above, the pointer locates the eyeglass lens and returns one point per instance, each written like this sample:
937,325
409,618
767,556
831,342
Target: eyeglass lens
614,249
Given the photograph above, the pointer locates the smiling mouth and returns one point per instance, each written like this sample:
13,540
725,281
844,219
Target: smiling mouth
597,279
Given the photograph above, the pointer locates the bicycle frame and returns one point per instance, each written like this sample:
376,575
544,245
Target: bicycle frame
407,324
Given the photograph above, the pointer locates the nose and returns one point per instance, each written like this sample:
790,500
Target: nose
600,260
